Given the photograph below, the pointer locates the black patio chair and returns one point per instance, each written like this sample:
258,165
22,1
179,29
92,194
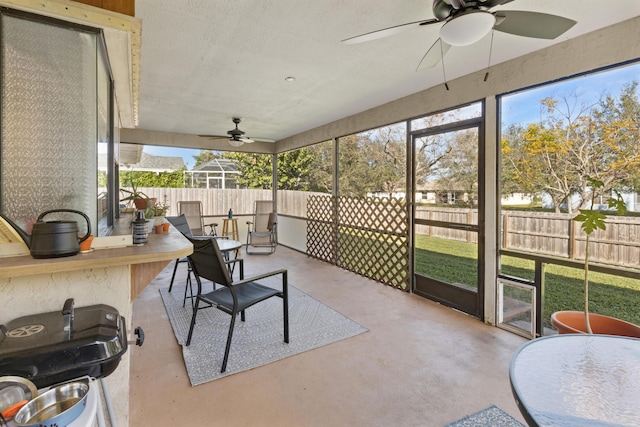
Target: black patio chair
181,223
233,297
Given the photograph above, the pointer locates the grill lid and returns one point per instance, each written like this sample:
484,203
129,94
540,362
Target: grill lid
58,346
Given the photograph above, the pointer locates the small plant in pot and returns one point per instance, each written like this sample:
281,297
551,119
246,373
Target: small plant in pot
160,210
139,199
579,322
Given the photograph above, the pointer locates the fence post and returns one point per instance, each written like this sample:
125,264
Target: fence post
430,219
572,240
538,280
505,229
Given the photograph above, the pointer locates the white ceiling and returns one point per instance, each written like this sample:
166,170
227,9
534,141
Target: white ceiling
206,61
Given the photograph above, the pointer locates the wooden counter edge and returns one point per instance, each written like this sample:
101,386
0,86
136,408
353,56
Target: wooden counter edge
160,248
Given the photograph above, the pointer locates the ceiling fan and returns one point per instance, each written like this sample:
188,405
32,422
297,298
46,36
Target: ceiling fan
236,137
467,21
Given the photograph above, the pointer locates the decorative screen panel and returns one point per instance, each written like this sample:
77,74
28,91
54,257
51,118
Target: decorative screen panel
48,119
368,236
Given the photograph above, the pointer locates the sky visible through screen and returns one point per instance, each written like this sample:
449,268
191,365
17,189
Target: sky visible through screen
522,107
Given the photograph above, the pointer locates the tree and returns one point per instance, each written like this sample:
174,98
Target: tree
573,141
294,169
205,156
373,161
321,169
256,169
459,167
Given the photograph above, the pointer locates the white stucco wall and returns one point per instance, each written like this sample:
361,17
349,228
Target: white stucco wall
22,296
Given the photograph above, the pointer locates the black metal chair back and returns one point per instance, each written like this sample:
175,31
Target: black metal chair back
232,298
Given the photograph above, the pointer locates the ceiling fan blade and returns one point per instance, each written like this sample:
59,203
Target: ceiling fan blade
532,24
215,136
374,35
263,140
434,55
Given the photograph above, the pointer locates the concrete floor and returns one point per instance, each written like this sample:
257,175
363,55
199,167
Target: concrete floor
420,364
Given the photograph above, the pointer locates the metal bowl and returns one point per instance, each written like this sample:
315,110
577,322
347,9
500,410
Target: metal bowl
14,390
58,406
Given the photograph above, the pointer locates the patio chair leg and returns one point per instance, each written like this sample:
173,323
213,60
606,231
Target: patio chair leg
228,346
285,307
173,276
189,286
193,322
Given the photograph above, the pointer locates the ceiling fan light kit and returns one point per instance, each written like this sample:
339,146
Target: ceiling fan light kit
465,22
235,142
236,137
467,29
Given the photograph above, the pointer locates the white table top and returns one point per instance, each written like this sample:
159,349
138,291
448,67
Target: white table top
578,380
227,245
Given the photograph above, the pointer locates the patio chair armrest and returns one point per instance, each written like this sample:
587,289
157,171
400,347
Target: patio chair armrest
262,276
211,225
233,261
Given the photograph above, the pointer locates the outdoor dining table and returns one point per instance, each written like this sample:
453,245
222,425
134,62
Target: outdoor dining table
578,380
228,245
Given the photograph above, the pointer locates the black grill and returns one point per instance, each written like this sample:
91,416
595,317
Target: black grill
58,346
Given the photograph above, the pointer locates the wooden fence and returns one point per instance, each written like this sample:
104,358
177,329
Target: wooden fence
538,232
558,235
215,202
547,233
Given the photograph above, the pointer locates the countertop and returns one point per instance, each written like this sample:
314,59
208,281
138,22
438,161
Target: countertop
161,247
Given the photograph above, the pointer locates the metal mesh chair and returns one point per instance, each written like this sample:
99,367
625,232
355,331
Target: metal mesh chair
182,225
233,297
262,236
192,210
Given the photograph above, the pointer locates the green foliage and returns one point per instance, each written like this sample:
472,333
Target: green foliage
593,219
304,169
256,169
205,156
611,295
294,169
373,161
102,179
574,141
135,179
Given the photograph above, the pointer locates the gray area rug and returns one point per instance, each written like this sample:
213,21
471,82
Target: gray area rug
257,341
490,417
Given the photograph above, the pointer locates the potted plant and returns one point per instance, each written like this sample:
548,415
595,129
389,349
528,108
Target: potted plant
580,322
160,210
140,200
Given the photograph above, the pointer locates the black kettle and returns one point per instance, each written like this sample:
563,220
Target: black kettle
53,239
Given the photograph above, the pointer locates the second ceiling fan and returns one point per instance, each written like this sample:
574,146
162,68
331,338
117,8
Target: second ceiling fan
236,137
467,21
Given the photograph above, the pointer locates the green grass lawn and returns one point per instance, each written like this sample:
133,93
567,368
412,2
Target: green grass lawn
455,262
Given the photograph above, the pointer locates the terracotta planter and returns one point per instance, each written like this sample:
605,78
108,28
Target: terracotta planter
141,204
572,322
